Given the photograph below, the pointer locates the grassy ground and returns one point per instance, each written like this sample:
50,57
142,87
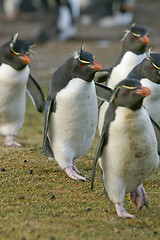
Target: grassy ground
38,201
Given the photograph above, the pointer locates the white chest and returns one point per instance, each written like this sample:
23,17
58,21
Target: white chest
75,120
10,76
120,72
12,98
12,82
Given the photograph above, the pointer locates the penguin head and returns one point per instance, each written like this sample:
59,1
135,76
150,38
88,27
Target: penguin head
152,67
136,39
129,93
83,66
16,53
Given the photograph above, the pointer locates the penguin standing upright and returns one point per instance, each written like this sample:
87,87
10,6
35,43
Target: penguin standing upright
128,146
133,52
15,80
71,112
148,72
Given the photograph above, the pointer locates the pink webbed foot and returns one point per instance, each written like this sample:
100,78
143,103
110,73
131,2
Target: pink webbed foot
72,173
9,141
139,197
121,211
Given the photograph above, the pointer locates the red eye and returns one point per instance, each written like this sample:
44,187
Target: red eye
152,68
13,54
127,91
81,65
133,37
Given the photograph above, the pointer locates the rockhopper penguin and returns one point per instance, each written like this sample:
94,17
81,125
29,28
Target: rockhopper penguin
71,112
127,149
15,80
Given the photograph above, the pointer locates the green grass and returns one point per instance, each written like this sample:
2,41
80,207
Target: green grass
47,205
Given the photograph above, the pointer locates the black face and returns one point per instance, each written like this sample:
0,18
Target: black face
129,93
16,55
21,47
136,40
83,66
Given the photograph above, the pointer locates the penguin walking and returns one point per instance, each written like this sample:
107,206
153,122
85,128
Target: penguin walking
148,73
128,146
71,112
15,81
133,52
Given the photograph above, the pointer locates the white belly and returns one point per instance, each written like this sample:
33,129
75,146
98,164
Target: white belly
120,72
12,98
131,153
72,127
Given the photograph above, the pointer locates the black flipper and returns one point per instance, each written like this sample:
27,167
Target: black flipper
98,154
101,103
35,93
47,149
46,145
103,92
109,117
157,132
101,76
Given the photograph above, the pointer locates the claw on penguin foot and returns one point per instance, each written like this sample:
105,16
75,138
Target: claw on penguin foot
121,211
70,171
146,205
139,197
75,168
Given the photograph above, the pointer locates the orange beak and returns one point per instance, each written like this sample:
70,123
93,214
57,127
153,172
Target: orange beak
96,66
145,39
25,59
144,91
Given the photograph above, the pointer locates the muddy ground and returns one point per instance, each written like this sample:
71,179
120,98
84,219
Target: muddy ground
103,42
